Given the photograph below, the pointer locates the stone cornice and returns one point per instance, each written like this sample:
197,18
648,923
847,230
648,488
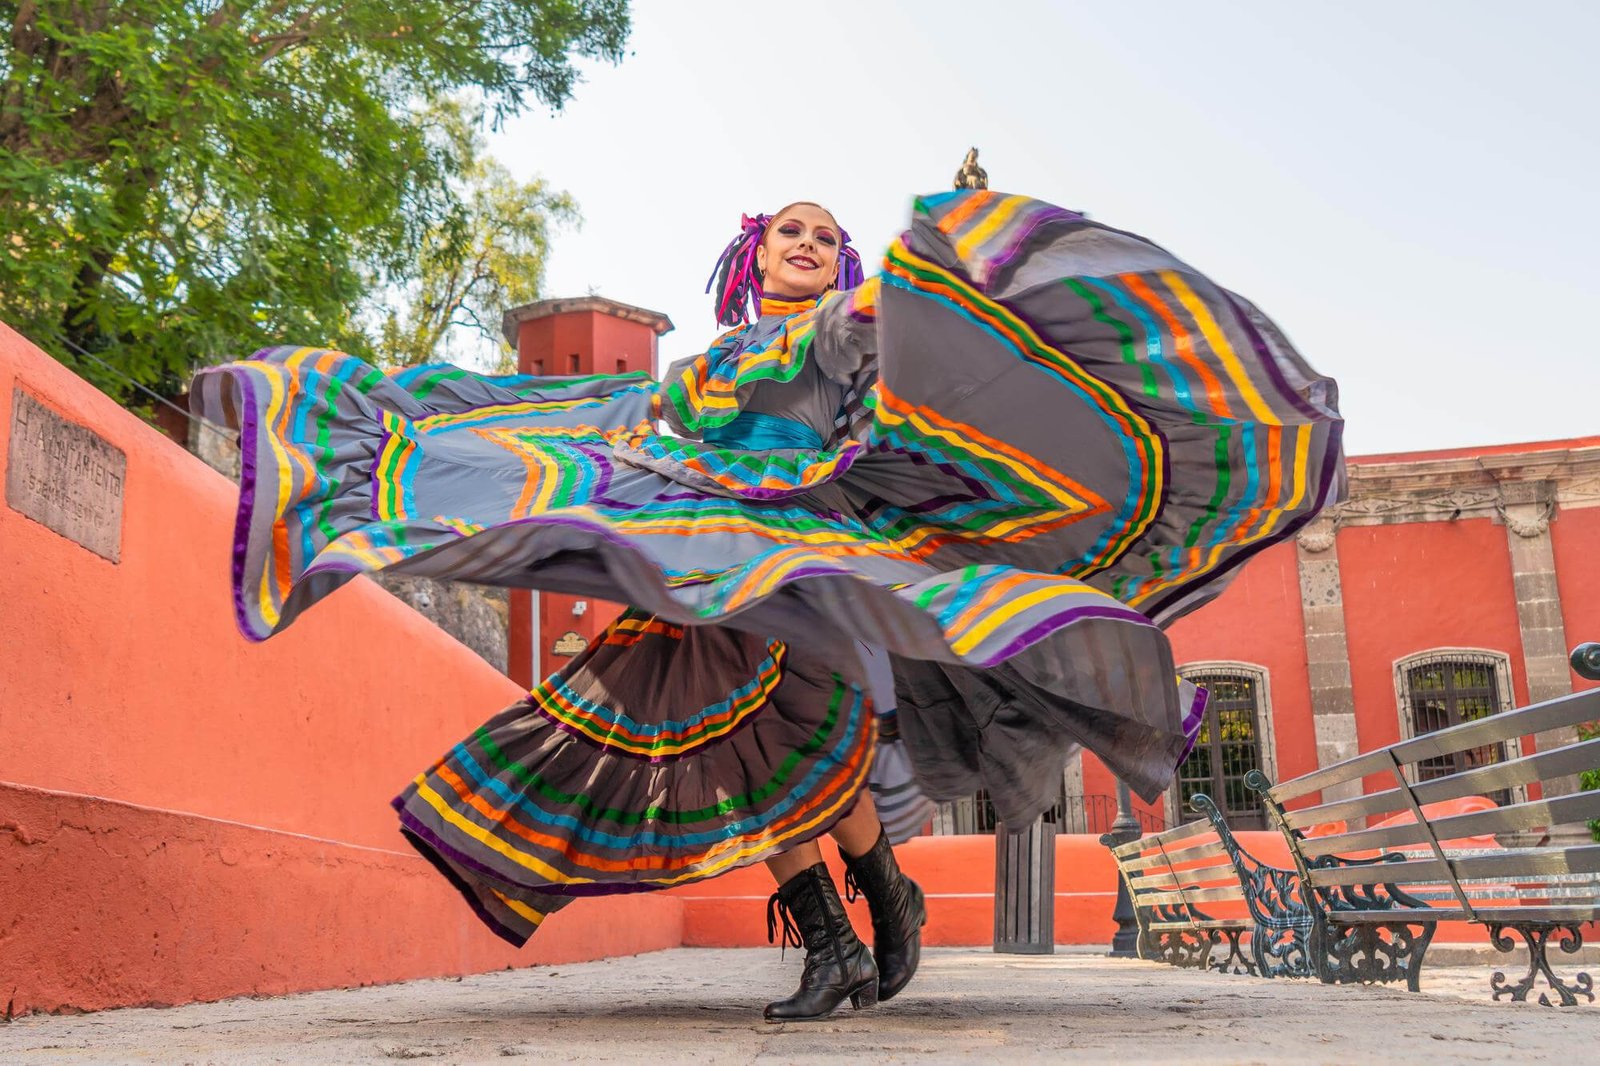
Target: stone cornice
1521,488
657,321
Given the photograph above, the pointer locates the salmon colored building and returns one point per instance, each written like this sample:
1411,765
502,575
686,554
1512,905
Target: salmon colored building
1450,585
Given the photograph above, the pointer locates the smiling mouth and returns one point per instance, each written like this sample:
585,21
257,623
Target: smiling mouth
802,262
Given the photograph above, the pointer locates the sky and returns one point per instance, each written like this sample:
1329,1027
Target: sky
1406,187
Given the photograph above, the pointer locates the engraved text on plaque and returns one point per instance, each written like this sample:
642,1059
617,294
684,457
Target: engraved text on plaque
65,476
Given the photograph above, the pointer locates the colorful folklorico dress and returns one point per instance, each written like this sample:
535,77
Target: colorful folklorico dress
1001,466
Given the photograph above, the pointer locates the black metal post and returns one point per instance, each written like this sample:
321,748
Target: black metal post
1124,943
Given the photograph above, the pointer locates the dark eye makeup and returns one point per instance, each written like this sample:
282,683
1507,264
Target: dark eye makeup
792,229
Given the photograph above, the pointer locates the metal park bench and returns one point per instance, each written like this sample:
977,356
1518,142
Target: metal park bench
1373,918
1282,921
1170,874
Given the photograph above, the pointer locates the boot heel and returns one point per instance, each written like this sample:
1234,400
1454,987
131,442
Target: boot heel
865,996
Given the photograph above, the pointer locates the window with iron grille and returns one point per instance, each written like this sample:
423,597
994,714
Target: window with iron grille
1233,740
1445,688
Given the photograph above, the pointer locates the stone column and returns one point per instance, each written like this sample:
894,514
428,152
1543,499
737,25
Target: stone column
1076,819
1527,507
1333,707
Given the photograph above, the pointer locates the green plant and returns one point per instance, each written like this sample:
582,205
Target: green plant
182,181
1590,779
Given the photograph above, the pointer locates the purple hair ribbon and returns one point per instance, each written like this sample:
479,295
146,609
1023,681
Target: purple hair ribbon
737,283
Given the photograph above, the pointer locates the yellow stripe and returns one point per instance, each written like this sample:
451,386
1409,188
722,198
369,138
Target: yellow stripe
986,624
700,872
492,842
998,216
275,399
1230,361
519,908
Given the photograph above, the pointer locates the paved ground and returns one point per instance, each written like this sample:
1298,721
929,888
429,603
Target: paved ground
704,1007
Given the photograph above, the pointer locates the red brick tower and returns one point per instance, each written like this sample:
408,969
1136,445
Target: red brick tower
583,335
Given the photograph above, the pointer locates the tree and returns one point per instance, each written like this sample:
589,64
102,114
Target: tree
486,255
182,181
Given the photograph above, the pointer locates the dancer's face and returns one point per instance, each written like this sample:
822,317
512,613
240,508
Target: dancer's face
800,255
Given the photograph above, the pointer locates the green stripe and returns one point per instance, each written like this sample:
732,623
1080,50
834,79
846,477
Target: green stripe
1224,476
1124,335
1113,403
656,813
704,731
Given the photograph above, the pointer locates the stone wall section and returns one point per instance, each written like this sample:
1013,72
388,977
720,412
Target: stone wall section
1333,705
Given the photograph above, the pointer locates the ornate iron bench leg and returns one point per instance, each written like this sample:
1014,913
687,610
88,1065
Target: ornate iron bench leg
1171,947
1537,936
1236,961
1347,954
1192,950
1281,952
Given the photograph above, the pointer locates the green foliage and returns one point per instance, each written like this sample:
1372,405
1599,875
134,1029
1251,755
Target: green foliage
182,181
1590,779
485,255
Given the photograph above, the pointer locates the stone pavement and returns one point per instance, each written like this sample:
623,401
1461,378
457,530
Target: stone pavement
704,1007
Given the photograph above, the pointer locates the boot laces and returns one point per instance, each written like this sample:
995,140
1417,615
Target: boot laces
778,914
852,887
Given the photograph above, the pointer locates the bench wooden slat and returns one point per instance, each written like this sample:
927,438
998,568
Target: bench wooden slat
1163,839
1540,766
1144,862
1148,894
1552,714
1221,894
1454,914
1209,923
1513,864
1195,875
1579,807
1195,847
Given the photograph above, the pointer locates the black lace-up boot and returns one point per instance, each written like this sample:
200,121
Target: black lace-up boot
898,914
838,964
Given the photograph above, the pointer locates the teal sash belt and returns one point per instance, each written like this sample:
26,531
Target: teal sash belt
753,432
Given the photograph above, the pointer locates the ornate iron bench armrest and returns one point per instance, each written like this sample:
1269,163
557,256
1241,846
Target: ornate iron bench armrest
1272,893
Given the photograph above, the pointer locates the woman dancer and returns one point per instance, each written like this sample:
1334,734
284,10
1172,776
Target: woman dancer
1003,463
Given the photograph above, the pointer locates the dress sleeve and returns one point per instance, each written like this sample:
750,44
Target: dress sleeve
844,334
696,392
839,336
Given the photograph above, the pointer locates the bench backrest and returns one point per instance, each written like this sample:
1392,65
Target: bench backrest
1428,852
1182,871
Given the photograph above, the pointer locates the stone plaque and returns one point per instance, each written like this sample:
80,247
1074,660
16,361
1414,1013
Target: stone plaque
569,643
65,476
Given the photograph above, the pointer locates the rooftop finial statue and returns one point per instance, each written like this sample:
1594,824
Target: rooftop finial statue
971,175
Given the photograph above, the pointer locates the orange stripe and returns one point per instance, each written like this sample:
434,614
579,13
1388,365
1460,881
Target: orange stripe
970,434
1182,343
506,819
647,739
965,619
965,210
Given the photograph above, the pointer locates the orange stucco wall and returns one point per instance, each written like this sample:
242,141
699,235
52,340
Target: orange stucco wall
1575,537
1258,621
957,876
187,815
1422,585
